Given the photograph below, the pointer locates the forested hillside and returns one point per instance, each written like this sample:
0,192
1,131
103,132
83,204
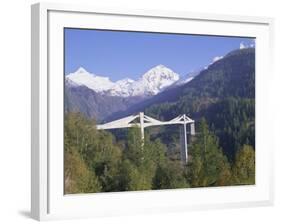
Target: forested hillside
224,94
96,162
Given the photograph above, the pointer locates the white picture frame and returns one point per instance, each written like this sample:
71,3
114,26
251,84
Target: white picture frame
47,198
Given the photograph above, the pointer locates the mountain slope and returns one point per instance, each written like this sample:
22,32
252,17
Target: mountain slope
83,78
224,94
231,76
98,97
92,104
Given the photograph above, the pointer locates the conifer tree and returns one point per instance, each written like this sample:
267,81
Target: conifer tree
244,167
78,178
207,166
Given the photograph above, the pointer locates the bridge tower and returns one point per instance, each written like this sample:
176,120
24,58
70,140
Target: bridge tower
146,121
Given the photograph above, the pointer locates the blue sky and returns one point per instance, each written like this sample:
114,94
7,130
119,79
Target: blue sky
119,54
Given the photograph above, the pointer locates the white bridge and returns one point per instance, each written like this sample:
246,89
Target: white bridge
141,120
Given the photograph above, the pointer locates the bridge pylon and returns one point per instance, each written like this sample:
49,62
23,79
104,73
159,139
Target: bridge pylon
146,121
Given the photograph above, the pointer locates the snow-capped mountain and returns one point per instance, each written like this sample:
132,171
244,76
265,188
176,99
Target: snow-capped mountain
155,80
122,88
84,78
151,83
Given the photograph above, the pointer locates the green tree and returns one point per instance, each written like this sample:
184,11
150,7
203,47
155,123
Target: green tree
243,170
134,150
97,149
78,178
104,158
143,158
208,166
169,175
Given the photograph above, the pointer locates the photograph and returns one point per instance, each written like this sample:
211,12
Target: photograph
157,111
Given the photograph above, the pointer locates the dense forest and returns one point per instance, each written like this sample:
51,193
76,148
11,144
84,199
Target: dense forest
96,162
224,94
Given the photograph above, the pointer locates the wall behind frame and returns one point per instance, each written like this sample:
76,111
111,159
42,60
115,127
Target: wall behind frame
15,110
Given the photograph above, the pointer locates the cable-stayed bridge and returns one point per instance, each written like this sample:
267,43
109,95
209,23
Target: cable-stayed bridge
143,121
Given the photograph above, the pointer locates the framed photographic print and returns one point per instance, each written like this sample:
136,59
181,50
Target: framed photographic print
148,111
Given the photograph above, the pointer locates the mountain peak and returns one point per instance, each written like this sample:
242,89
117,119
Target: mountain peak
156,79
151,83
160,66
160,72
92,81
81,70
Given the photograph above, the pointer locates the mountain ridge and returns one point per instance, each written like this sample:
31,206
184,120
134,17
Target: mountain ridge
150,83
220,80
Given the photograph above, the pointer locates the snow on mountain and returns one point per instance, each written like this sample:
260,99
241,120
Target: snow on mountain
188,77
151,83
217,58
183,81
122,88
94,82
154,81
158,78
